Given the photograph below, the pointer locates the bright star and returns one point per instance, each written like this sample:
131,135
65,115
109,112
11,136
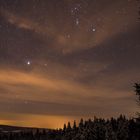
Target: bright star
28,63
93,29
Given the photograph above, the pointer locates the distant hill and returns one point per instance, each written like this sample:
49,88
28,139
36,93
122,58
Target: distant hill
8,128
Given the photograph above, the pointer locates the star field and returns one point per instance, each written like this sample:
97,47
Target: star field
67,59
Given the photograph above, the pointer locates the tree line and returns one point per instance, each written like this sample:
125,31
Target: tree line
119,128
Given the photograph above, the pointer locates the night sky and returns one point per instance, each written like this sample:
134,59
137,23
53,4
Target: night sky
61,60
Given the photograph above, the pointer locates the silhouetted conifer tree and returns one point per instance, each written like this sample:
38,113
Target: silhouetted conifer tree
137,90
74,125
64,128
81,124
69,127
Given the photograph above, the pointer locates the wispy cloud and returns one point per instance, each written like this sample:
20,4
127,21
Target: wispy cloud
106,28
23,22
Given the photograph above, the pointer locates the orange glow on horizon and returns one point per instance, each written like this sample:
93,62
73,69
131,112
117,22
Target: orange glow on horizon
37,121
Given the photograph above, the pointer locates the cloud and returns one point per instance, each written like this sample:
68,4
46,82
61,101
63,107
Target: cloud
87,73
117,17
52,89
36,95
23,23
41,88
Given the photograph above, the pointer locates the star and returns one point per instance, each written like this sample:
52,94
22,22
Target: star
93,29
68,36
28,63
77,21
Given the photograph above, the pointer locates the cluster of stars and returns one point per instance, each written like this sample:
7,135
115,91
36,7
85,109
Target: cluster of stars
76,13
76,9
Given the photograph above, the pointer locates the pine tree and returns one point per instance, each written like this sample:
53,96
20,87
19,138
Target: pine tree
74,125
81,124
69,127
137,90
64,128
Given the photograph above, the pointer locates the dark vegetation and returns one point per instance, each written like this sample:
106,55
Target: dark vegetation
120,128
139,8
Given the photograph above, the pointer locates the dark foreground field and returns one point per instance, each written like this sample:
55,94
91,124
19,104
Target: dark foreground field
120,128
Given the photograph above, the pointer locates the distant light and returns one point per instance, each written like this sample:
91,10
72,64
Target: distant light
93,29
